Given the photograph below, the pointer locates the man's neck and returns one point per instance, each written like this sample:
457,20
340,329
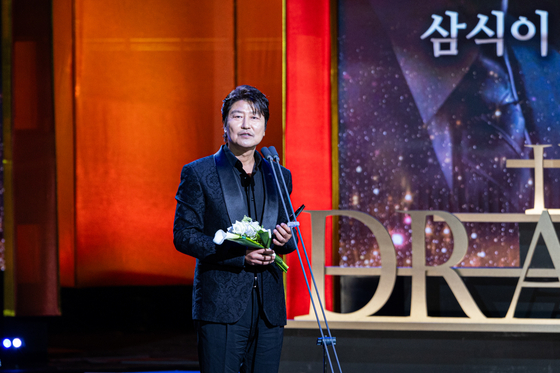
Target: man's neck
246,156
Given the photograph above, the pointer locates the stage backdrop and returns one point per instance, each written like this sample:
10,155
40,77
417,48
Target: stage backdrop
138,91
450,107
137,86
433,100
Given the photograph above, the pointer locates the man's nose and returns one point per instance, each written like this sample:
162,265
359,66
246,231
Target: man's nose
245,123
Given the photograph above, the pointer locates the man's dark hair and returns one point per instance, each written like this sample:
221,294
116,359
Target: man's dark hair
253,96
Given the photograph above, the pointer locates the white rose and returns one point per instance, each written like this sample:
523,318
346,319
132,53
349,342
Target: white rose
238,228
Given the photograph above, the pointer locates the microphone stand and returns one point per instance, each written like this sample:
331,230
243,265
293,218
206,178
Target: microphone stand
272,156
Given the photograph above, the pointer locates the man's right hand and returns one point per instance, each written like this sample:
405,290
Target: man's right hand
260,257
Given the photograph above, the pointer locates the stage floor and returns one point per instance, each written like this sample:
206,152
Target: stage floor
119,351
116,329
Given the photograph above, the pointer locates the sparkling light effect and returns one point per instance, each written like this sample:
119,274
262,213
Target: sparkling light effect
398,239
426,140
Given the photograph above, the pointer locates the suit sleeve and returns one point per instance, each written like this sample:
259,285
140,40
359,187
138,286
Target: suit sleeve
291,245
188,228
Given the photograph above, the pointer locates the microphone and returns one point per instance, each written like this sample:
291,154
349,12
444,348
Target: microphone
274,153
266,154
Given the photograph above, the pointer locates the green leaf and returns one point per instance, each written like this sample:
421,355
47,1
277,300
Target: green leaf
280,263
264,238
248,242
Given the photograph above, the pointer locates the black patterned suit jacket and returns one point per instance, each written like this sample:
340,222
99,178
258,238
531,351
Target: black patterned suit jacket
210,198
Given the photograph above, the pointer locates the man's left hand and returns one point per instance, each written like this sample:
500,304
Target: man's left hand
282,234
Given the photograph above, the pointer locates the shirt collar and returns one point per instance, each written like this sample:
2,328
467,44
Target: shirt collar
236,163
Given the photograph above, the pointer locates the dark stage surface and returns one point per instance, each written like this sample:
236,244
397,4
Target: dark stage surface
149,329
117,329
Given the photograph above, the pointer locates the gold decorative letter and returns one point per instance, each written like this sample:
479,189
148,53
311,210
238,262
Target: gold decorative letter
419,310
546,228
388,258
538,154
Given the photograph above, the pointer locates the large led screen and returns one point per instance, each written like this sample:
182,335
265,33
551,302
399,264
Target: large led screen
433,98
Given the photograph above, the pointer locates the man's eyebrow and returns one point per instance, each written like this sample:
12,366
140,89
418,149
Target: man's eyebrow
234,111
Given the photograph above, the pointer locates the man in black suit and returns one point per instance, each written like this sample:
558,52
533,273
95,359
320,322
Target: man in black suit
238,292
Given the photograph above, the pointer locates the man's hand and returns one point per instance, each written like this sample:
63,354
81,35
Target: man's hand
260,257
282,234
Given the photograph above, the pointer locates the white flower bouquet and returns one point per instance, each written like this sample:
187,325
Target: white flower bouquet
249,233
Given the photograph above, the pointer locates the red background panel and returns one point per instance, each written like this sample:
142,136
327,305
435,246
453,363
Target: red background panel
308,127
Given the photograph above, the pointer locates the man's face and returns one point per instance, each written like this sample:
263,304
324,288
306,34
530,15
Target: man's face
244,127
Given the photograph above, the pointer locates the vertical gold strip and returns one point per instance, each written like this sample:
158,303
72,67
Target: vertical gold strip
9,225
334,101
334,146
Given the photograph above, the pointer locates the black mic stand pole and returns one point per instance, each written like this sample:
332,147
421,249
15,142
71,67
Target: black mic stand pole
272,155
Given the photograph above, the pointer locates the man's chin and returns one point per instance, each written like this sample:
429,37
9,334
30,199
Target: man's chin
243,147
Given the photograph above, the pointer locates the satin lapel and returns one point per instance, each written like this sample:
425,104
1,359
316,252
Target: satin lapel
231,187
270,216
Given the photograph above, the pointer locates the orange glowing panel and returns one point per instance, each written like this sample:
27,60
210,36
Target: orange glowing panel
259,58
149,79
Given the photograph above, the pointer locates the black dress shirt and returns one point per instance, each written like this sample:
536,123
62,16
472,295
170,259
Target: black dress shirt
253,186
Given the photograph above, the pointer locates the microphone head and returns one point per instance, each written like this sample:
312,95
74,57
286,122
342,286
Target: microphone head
266,153
274,153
